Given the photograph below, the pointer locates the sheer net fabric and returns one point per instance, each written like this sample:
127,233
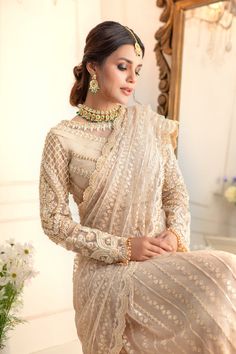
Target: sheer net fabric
126,181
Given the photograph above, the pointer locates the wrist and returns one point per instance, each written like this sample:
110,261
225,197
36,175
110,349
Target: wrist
127,257
180,244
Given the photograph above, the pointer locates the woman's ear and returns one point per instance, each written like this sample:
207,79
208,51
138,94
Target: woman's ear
91,67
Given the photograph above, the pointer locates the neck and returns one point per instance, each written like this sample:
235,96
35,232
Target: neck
98,103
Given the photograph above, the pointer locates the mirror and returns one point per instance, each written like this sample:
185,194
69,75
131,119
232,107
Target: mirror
196,54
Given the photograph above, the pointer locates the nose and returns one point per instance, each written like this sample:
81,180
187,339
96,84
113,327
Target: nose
132,77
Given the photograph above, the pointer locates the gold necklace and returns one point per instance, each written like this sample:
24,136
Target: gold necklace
94,115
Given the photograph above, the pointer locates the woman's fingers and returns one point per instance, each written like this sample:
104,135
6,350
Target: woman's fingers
158,249
159,243
143,248
153,253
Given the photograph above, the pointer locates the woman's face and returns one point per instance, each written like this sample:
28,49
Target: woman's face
118,74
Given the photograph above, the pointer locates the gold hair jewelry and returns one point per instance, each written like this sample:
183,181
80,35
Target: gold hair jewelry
137,47
94,115
181,246
93,84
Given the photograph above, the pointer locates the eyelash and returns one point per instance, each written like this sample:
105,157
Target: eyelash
123,69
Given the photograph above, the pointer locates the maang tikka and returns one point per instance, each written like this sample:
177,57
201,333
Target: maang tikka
93,84
137,47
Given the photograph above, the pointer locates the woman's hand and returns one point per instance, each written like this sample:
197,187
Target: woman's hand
143,248
169,238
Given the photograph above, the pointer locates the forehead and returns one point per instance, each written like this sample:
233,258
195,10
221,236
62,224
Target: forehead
126,51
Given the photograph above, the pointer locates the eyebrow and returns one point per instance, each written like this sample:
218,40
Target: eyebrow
129,61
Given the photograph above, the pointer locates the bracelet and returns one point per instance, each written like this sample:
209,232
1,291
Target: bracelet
128,249
181,246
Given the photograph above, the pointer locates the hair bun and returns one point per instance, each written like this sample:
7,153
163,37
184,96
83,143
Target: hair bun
78,71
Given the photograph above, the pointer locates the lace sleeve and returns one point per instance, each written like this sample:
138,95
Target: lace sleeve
175,197
55,214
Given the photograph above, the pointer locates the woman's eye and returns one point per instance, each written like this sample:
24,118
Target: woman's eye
121,67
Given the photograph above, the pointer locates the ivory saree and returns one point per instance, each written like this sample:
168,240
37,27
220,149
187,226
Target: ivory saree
126,181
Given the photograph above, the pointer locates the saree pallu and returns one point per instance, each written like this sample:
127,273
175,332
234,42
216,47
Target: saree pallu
174,303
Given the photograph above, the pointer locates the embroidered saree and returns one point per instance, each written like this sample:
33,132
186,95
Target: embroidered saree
126,182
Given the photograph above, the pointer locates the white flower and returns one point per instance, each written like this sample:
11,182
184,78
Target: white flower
16,264
25,251
230,194
3,256
16,278
8,253
11,242
16,267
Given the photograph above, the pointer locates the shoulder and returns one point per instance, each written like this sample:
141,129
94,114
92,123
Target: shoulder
61,126
60,134
159,121
65,129
165,129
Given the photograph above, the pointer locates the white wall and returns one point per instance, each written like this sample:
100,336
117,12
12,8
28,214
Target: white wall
40,42
207,145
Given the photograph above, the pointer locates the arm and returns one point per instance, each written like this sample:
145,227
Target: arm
175,198
55,214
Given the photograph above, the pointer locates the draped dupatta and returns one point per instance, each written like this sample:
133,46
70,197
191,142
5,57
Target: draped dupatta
123,197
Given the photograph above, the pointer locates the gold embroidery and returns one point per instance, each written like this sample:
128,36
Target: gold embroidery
175,197
76,129
83,157
55,214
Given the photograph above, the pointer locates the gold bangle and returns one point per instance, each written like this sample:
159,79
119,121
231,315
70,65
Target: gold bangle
181,246
128,249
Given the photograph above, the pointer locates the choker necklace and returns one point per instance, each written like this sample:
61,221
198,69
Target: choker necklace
94,115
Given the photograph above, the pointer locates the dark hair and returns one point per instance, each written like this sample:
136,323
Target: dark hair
101,41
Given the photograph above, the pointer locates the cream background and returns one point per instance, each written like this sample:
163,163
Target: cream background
40,42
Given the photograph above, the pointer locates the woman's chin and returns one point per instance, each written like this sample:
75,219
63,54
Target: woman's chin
123,100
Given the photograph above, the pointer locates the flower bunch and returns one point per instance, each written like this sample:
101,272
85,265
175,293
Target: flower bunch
16,267
230,191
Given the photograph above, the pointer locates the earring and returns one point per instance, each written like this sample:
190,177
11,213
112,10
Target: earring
93,84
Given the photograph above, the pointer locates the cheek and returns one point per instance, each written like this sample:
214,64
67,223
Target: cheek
109,87
112,79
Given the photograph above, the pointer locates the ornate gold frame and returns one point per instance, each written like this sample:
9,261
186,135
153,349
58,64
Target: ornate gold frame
170,42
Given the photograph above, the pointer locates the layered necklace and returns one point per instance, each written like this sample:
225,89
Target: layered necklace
94,115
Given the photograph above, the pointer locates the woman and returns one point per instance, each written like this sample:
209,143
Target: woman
137,288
